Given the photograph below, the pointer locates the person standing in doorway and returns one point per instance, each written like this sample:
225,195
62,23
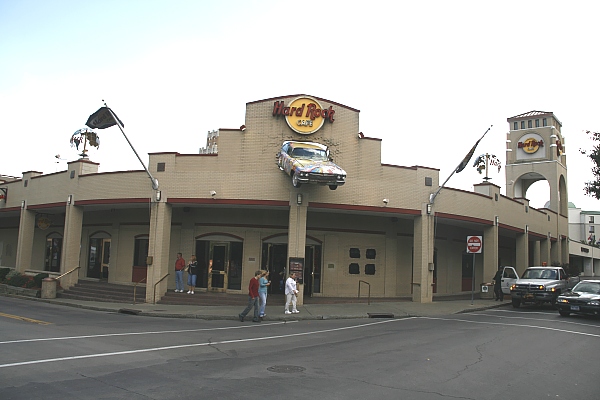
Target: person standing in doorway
179,267
498,285
252,298
290,294
263,283
192,274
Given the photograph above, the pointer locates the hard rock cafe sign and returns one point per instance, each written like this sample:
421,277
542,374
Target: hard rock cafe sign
304,115
530,145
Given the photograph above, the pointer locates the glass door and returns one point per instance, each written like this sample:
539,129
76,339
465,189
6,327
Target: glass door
218,265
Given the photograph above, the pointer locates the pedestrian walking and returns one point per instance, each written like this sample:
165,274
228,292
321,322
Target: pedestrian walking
252,298
290,294
179,267
263,284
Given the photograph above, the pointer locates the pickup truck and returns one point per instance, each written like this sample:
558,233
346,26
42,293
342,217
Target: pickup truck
539,285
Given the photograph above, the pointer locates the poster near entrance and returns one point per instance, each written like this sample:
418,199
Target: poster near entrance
297,266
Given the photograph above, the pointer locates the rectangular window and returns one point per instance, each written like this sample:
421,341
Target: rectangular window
591,219
370,269
354,252
529,125
160,167
537,123
544,123
522,124
354,269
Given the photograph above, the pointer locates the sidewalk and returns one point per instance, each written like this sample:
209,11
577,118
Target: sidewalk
274,312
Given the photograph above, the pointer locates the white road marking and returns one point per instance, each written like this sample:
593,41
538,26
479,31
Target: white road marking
563,321
517,325
120,353
139,333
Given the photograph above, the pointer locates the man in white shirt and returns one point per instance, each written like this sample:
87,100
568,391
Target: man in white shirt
290,294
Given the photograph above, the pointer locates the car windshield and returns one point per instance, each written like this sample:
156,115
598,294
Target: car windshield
309,154
587,287
539,274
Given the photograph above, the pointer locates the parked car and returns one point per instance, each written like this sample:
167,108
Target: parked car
539,285
309,162
584,298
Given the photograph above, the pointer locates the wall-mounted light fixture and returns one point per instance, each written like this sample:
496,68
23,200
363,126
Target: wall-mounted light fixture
386,201
158,195
496,220
22,204
299,198
428,208
213,193
526,229
69,199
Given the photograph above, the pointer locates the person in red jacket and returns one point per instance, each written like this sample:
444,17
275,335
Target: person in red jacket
252,298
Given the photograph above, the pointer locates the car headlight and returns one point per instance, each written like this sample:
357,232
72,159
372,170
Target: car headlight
303,173
513,287
341,177
594,303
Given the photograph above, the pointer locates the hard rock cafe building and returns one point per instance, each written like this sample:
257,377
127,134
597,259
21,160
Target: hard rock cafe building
236,210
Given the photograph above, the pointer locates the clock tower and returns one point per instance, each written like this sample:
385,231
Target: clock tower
535,151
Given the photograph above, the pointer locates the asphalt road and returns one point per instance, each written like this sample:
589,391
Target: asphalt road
55,352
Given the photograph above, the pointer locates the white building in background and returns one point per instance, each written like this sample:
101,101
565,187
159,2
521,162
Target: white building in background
584,240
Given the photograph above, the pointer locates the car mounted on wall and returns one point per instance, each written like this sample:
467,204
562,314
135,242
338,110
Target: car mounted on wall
309,162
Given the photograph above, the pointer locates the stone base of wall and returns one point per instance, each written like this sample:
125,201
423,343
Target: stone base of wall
19,291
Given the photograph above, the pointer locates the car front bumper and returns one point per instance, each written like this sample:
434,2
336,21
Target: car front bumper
532,297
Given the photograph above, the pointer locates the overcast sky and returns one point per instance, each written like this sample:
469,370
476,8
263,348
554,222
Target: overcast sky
429,77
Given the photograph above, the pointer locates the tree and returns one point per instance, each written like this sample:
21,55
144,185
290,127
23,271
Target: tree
592,188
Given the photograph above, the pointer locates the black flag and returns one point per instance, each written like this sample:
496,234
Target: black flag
467,158
103,118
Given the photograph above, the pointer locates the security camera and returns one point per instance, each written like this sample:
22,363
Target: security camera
386,201
213,193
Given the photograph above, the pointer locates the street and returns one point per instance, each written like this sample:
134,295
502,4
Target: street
55,352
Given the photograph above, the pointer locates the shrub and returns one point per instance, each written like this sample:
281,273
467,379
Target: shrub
3,273
39,278
18,280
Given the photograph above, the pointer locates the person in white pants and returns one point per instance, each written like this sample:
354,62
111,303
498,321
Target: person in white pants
290,294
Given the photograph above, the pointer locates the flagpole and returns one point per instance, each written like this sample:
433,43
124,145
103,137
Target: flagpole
154,181
433,195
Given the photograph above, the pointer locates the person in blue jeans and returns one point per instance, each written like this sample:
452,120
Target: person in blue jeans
179,267
263,283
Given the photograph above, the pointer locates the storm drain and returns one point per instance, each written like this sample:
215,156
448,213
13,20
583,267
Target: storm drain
286,369
380,315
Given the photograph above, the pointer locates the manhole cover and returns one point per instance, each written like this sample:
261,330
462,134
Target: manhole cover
285,369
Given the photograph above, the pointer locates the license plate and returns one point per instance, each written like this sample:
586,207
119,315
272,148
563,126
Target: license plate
528,296
574,308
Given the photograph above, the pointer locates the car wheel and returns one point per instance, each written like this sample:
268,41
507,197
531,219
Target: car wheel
564,313
516,303
332,187
295,182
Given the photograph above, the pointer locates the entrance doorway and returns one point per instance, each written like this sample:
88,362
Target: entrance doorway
219,262
224,261
98,256
275,258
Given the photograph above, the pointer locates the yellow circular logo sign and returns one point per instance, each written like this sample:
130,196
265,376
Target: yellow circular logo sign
531,145
304,115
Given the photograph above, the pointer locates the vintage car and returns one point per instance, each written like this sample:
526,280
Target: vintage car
309,162
584,298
